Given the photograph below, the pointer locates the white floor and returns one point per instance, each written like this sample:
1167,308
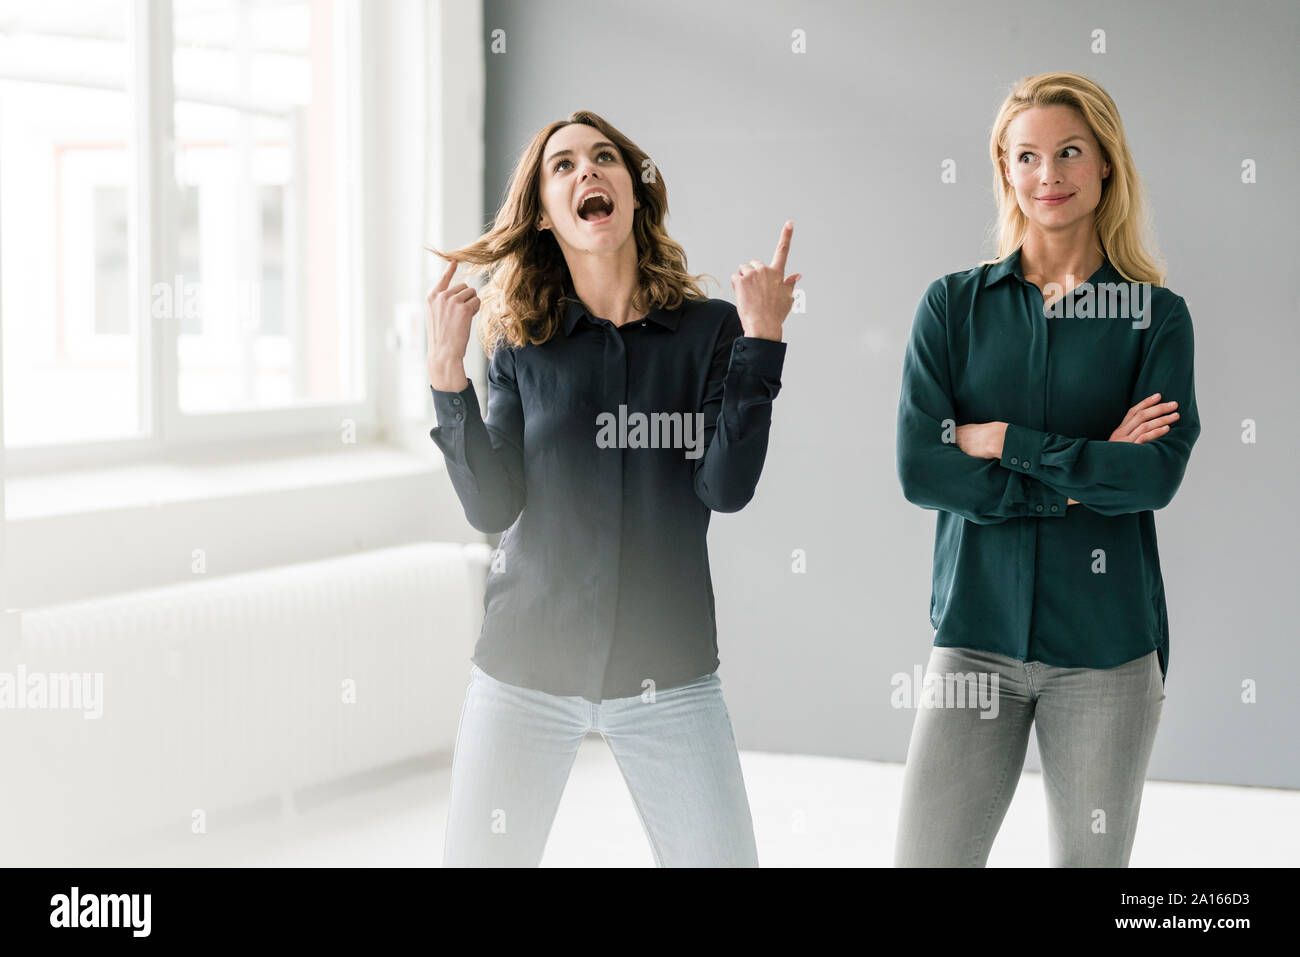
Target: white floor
808,811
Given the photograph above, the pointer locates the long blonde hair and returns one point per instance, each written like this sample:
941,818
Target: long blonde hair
1122,219
527,274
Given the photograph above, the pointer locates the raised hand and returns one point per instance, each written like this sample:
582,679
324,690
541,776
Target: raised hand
764,294
446,324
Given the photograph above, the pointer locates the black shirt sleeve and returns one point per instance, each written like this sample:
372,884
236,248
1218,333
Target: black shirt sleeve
485,460
744,378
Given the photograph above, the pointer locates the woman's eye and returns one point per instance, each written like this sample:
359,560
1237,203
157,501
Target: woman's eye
1022,156
609,153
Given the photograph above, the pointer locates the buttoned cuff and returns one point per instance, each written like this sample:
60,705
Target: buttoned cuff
1021,452
761,357
1021,448
454,410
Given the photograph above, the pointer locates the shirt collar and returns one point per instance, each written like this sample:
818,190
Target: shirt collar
574,309
1011,267
1002,269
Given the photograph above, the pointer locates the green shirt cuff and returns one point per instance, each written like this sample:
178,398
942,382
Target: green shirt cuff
1021,448
1021,451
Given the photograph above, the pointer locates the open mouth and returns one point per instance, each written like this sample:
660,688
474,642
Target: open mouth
596,207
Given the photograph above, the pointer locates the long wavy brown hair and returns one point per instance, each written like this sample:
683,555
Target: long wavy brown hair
1122,218
522,297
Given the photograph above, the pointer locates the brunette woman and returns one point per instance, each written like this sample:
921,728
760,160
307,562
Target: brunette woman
624,407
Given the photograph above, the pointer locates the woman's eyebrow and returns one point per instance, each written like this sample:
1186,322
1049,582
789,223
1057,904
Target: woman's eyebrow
1058,145
594,146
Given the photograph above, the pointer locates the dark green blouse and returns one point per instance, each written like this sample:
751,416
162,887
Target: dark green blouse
1016,572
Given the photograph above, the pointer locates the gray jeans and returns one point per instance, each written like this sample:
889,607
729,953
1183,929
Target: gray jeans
1095,729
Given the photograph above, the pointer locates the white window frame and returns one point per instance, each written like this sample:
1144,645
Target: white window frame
151,242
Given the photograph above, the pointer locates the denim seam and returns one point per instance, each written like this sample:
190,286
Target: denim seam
1138,783
997,798
636,802
1029,679
555,809
1001,786
451,774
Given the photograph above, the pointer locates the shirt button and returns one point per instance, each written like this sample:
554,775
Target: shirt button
1053,508
643,323
1014,460
455,400
1025,464
460,416
1038,508
740,347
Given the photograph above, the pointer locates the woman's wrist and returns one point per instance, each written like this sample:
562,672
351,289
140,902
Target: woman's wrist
997,437
762,327
447,376
772,333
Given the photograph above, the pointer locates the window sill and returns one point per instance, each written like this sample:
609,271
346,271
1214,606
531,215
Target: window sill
151,484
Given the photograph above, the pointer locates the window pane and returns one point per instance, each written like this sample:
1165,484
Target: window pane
258,128
71,332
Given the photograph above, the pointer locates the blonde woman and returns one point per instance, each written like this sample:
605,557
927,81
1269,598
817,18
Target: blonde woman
623,407
1047,410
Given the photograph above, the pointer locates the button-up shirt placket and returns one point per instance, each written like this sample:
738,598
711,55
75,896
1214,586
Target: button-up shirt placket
607,582
1035,416
1003,581
610,463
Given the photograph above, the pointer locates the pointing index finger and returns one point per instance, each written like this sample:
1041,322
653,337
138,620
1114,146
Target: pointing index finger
783,246
446,276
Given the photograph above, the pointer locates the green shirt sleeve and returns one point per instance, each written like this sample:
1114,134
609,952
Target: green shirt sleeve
933,470
1113,478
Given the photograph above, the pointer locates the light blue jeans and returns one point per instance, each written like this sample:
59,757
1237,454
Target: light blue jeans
1095,730
515,748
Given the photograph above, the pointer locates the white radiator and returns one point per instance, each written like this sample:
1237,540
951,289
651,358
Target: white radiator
221,692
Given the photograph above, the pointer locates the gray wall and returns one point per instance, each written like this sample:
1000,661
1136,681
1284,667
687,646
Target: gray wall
847,140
